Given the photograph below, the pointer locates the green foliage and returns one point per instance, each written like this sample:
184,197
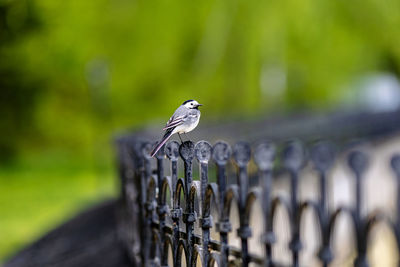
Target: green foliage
108,64
19,89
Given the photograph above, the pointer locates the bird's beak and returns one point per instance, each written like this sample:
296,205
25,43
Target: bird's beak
199,105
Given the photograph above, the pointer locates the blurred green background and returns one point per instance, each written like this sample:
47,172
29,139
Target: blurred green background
74,73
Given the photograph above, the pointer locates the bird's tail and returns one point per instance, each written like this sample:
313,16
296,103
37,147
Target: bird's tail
165,138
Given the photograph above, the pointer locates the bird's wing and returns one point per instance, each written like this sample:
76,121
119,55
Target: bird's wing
174,121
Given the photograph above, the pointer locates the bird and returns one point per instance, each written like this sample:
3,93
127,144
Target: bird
185,118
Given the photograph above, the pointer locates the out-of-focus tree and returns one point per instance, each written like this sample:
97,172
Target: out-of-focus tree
19,89
109,64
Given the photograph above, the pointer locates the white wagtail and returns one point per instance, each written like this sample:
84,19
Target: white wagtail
185,119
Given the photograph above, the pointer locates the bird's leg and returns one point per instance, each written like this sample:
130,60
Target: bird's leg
180,138
187,137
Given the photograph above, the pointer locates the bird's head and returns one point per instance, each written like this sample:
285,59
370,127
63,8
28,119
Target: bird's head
191,104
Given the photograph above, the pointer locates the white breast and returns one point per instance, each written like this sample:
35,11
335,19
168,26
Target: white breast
185,128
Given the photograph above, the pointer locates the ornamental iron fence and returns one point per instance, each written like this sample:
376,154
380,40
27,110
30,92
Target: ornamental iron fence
167,220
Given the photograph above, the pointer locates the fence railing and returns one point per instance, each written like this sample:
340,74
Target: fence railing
166,220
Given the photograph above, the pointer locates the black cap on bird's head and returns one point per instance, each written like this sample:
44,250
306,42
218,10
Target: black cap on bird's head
191,104
187,101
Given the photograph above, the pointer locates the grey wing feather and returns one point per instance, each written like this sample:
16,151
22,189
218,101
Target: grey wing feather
173,122
177,118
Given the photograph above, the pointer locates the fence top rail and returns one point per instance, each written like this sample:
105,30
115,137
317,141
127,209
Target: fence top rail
339,127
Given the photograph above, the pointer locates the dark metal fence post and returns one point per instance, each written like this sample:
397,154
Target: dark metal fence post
323,156
264,156
221,154
242,154
148,206
161,207
358,163
203,154
186,150
132,200
172,152
395,164
293,159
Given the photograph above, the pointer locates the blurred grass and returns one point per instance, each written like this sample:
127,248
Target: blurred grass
39,192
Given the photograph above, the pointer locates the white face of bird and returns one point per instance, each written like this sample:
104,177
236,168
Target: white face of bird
191,104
